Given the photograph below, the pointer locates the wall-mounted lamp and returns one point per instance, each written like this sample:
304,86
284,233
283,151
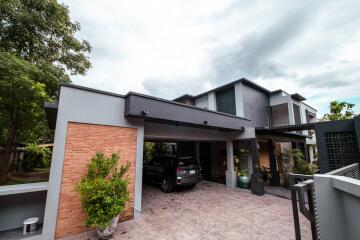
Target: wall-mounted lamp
205,122
144,112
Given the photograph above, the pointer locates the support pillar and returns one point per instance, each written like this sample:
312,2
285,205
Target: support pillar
306,151
255,156
230,173
197,152
275,178
257,183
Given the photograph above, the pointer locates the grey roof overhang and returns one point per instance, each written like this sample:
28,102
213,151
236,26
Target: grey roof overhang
290,135
51,110
290,128
154,109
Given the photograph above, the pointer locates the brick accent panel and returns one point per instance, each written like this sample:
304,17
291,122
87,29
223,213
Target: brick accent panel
82,141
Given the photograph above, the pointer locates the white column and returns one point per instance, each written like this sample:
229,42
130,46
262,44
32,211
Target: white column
230,173
212,101
239,99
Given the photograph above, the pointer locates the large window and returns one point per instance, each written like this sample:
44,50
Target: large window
225,101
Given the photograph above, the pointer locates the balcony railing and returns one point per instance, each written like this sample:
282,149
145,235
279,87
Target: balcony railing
328,198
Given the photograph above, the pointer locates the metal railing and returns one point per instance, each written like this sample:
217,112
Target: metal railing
351,171
303,199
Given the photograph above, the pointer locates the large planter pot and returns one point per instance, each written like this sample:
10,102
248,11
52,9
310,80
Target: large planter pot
109,231
244,181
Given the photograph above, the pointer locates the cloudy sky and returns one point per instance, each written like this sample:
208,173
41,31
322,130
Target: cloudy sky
170,47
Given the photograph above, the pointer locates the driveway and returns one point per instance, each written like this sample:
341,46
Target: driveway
210,211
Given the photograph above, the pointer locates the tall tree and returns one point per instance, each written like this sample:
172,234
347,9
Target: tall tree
20,100
340,111
39,50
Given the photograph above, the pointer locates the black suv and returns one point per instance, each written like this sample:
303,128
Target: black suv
171,171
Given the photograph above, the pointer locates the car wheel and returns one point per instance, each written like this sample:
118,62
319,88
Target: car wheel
166,185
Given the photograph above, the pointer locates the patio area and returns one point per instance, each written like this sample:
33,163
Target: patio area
209,211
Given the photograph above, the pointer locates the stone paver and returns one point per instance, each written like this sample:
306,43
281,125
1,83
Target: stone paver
209,211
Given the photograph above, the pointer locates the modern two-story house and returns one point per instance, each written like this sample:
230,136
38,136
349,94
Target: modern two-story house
240,125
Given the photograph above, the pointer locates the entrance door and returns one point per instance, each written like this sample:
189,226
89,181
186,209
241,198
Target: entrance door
213,161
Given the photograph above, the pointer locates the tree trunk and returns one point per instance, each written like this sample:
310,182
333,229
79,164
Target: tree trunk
5,163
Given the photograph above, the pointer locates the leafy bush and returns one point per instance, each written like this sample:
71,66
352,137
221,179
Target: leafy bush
104,190
243,173
36,157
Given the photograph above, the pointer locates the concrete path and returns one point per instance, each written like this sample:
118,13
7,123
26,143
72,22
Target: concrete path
209,211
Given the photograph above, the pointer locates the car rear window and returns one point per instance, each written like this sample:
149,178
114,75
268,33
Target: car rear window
186,161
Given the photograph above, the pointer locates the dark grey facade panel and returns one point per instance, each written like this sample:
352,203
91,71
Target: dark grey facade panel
157,110
256,106
225,101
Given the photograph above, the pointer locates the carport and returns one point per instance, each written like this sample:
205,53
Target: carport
212,134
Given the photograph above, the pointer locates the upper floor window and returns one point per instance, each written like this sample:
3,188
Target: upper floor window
225,101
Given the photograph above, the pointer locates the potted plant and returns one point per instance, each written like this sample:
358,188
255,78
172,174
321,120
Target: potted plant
243,178
104,193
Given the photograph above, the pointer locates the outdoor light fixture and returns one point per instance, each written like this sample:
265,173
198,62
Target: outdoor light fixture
205,122
144,112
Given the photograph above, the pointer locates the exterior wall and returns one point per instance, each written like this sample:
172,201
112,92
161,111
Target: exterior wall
82,141
202,102
256,106
338,206
77,105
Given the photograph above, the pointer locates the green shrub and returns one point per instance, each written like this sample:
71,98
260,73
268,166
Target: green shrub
36,157
243,173
104,190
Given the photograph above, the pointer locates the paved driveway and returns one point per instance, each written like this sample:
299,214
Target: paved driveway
210,211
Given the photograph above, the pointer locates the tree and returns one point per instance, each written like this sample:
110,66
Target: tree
37,37
21,99
340,111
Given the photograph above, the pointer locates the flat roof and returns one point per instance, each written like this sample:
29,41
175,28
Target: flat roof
160,108
290,128
243,80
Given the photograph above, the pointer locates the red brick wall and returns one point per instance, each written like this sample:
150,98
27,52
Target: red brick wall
82,141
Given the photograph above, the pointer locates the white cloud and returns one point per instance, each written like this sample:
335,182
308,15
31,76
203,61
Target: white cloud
168,48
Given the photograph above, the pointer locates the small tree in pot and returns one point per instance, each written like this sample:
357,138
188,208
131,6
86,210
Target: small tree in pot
104,193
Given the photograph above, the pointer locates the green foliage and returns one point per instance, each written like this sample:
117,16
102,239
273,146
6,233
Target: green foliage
149,151
243,173
38,51
21,98
294,162
36,157
41,32
104,190
153,148
340,111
